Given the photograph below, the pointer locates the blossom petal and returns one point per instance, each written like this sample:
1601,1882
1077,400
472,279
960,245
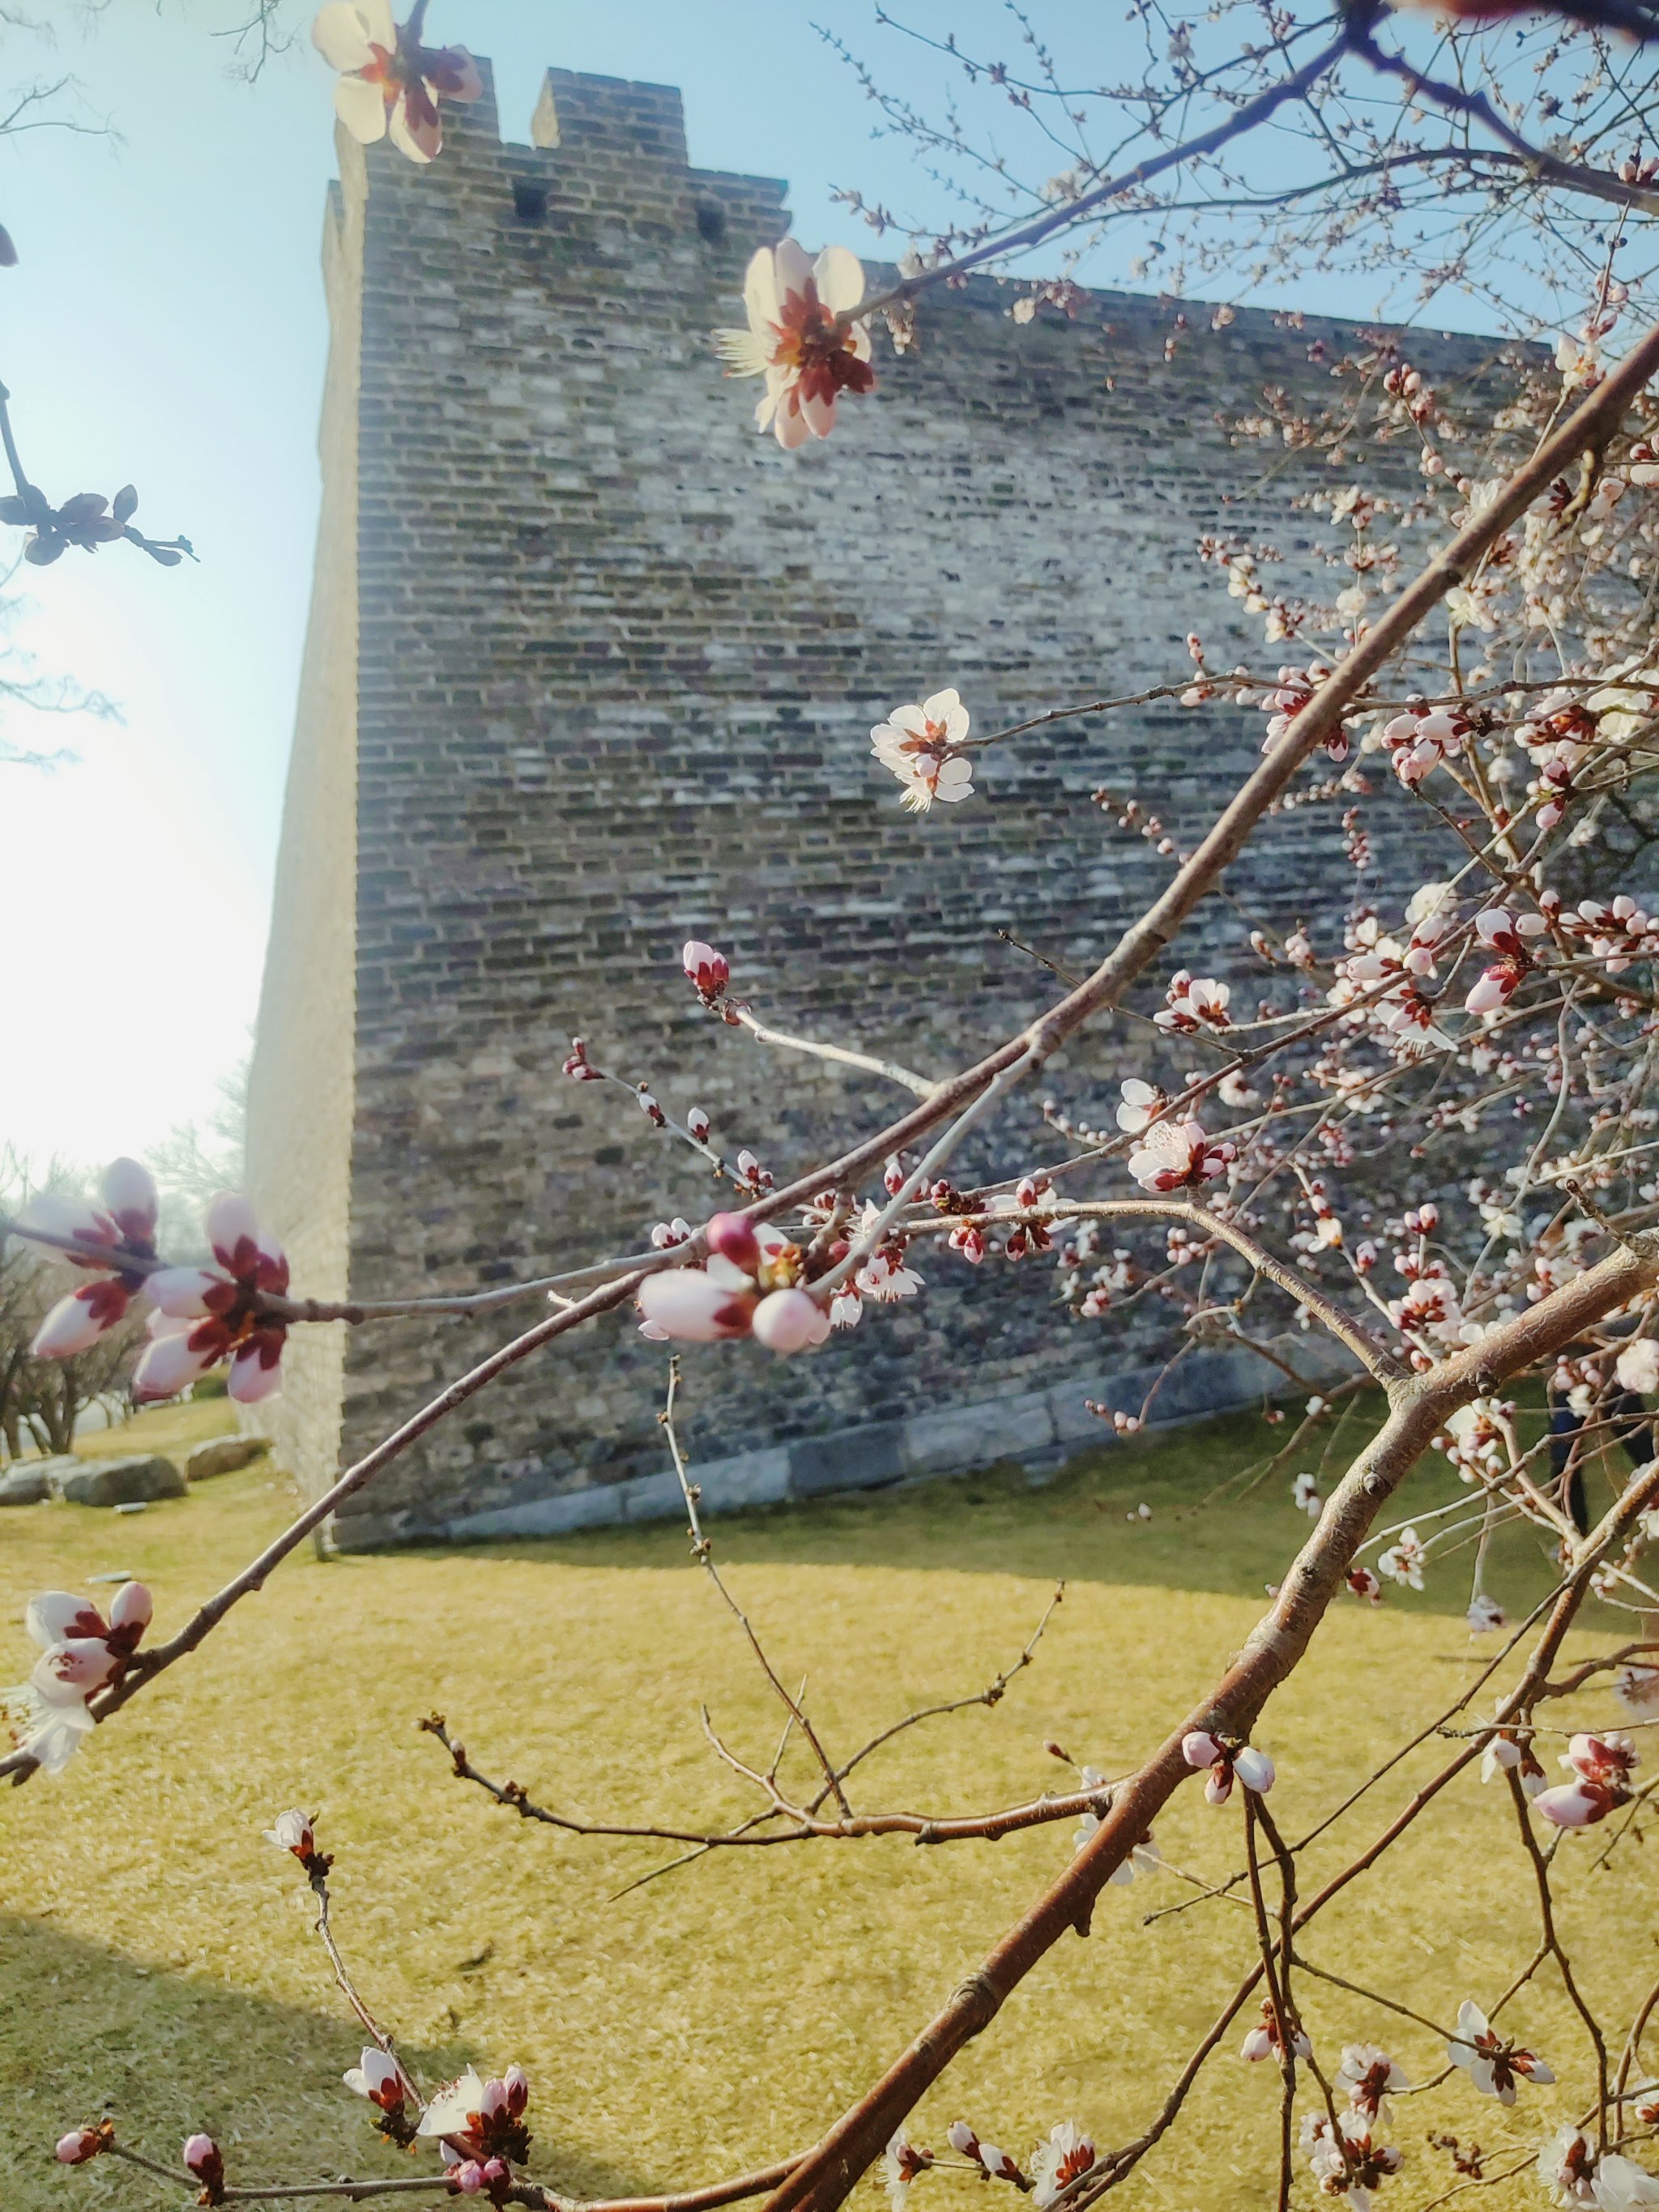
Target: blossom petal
56,1736
254,1373
74,1324
337,33
839,274
230,1224
54,1616
759,297
183,1293
453,2105
65,1219
132,1607
173,1361
416,131
791,269
362,107
789,425
131,1197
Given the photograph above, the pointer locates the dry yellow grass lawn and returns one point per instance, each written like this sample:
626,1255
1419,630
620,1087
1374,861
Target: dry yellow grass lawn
156,1956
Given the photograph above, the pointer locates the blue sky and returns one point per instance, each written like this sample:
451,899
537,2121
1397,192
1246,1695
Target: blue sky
166,326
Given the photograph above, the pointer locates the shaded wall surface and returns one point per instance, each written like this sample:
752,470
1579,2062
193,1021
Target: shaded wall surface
606,682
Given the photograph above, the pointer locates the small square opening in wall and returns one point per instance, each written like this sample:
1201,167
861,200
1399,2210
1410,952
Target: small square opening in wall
529,200
711,222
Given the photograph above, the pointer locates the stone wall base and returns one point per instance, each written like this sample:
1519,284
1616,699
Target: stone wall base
1038,1429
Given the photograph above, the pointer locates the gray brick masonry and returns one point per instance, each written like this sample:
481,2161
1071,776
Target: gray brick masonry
591,668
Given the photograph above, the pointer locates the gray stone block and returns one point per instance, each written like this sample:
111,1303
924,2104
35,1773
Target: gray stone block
1074,1423
860,1458
133,1480
652,1497
750,1478
598,1508
223,1455
974,1436
24,1486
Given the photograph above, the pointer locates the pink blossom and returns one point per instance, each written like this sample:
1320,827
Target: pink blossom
1177,1155
1263,2040
79,2145
1066,2156
799,340
294,1833
1200,1747
1576,1804
885,1277
389,83
1369,2075
1493,2065
1566,2167
113,1242
1140,1102
752,1270
81,1653
920,745
205,1315
1420,739
378,2076
480,2122
1603,1759
1195,1002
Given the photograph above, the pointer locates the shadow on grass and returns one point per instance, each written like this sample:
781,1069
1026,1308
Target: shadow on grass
86,2031
1221,1522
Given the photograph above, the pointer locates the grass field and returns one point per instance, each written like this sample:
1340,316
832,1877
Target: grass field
156,1956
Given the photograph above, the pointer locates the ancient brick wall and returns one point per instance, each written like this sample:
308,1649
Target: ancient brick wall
617,658
302,1085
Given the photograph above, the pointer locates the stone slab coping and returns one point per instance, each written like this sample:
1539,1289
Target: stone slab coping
1039,1429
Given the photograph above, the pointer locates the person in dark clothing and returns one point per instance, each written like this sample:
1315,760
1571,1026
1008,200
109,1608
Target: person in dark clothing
1626,1418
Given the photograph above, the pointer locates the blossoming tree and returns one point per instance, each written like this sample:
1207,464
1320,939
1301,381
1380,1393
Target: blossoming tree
1421,1123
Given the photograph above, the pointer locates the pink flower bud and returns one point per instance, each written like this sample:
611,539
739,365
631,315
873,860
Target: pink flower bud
130,1194
962,2139
788,1321
1254,1770
78,2146
892,1176
201,2154
174,1360
707,970
733,1238
1576,1804
698,1123
685,1302
76,1323
1200,1748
